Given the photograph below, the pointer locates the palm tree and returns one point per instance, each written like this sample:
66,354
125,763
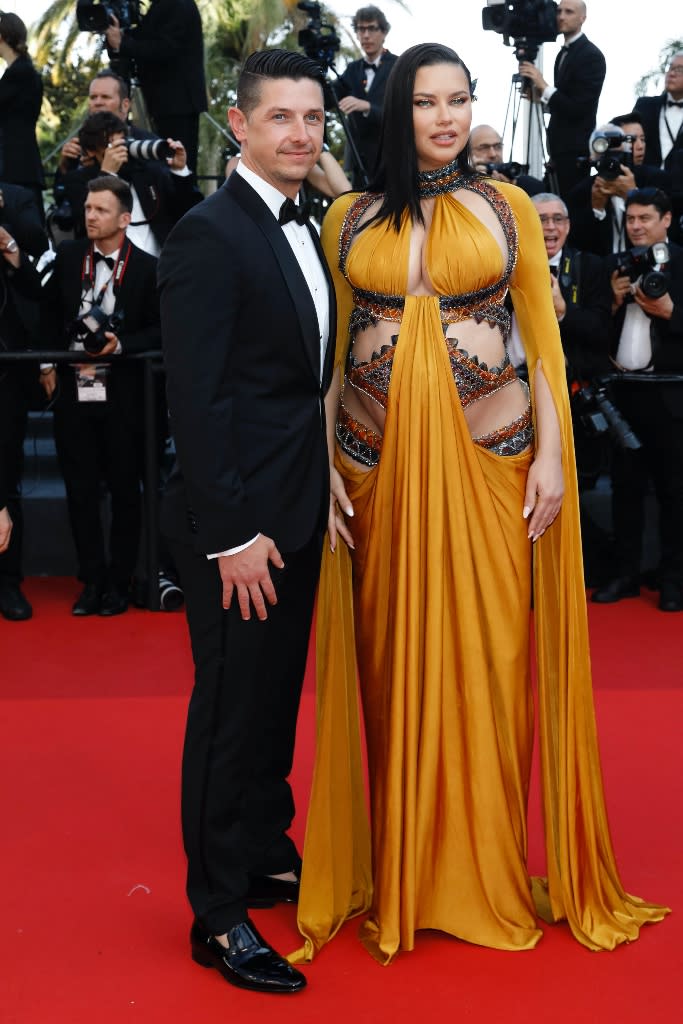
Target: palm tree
654,78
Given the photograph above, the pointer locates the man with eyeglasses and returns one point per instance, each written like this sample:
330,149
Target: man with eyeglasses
647,336
360,93
663,117
486,147
596,204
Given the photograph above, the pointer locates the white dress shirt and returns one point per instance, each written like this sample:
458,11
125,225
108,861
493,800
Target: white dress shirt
303,247
670,119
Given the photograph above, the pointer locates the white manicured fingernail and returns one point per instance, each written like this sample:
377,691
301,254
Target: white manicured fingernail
526,512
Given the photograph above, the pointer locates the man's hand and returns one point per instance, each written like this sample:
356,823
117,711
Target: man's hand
48,382
621,287
9,249
114,35
247,572
600,193
624,183
5,529
559,304
71,150
530,71
115,156
354,105
112,344
177,162
662,307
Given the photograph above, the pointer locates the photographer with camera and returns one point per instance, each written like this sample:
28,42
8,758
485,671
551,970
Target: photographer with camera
166,50
360,92
486,157
101,300
647,335
596,204
156,170
572,101
21,236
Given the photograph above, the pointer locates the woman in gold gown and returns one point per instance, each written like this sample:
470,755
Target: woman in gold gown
447,472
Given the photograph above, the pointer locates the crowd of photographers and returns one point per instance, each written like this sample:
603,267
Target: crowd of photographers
612,218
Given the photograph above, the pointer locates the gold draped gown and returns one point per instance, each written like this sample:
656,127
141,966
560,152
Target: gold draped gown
433,609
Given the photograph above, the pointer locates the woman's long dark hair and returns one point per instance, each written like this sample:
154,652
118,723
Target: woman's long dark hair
397,174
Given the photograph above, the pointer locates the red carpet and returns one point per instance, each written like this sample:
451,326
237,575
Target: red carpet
93,923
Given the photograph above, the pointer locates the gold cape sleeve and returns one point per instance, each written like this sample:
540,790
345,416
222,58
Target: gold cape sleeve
336,880
583,884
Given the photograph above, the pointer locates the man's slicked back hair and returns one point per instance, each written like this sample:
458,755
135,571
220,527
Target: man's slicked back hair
272,64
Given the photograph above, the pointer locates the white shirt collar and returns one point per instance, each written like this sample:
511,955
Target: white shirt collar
271,196
554,261
568,42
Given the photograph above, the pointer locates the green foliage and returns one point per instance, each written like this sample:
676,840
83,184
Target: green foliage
653,81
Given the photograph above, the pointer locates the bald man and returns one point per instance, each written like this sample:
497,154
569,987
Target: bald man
486,147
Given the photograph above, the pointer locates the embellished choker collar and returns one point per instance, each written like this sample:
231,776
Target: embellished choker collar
443,179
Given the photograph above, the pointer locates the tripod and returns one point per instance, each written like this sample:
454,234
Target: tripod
534,130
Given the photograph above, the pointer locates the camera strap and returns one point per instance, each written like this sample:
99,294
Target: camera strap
570,276
117,274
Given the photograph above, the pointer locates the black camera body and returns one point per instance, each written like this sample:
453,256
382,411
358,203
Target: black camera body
613,150
511,169
319,40
599,416
638,265
609,165
525,24
89,328
94,16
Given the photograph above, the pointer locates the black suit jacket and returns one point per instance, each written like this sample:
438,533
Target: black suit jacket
137,299
168,50
574,106
592,235
585,328
365,129
649,108
666,335
242,353
21,95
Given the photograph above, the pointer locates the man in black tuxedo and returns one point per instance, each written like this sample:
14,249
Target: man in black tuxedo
662,117
572,101
360,93
167,51
647,334
98,412
597,204
21,235
247,310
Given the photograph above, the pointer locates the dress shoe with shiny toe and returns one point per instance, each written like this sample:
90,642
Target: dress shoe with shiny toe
671,597
247,961
13,604
266,891
616,589
115,600
88,601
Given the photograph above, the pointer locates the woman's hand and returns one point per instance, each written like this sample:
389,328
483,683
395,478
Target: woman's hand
544,493
339,502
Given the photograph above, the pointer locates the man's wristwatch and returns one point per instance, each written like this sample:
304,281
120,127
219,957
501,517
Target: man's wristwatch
11,246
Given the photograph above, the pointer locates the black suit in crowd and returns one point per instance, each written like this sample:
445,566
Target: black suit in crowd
655,412
364,129
585,325
167,49
19,291
649,108
590,234
245,393
97,440
578,79
164,196
21,95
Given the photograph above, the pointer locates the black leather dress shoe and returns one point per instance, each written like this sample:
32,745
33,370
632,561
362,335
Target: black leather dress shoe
88,601
248,961
265,891
13,604
670,597
615,590
115,600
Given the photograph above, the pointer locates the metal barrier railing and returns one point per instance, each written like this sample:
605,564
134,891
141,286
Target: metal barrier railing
152,365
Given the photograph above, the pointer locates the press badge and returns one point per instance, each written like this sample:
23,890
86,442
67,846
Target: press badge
91,383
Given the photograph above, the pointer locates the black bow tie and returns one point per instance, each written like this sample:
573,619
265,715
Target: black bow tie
290,211
109,260
369,66
674,103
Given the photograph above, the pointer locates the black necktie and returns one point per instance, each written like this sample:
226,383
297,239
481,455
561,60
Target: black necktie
109,260
561,57
674,103
290,211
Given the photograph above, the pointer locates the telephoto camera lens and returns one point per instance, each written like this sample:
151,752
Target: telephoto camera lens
149,149
171,597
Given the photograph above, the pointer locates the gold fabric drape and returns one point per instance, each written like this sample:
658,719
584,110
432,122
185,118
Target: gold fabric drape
440,613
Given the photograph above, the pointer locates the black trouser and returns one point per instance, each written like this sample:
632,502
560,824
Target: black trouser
567,172
661,460
13,416
96,442
237,804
